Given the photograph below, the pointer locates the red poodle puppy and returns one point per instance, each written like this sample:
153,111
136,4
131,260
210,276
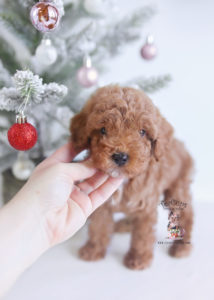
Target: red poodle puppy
127,135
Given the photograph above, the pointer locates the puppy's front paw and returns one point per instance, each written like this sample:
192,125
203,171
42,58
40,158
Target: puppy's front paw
136,261
180,249
91,252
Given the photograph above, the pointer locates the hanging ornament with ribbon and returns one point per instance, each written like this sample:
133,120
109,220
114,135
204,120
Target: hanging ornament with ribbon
149,50
22,135
45,16
46,54
87,75
23,166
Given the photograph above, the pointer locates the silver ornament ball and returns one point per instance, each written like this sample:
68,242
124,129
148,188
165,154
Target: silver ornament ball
46,54
23,167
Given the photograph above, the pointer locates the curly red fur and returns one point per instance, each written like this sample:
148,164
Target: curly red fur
158,164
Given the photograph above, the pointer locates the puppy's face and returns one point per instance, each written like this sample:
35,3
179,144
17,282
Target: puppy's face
119,127
119,142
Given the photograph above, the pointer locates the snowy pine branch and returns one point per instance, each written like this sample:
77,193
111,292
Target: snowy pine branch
152,84
7,55
80,40
125,30
5,78
30,3
19,26
30,85
10,99
60,6
54,93
26,3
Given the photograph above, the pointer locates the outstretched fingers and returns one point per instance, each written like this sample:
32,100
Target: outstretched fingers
93,182
104,191
82,199
89,202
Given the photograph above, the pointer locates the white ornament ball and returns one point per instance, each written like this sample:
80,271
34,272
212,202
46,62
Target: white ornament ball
23,168
95,6
46,54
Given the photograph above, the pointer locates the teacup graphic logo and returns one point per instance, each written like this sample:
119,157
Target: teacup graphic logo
175,231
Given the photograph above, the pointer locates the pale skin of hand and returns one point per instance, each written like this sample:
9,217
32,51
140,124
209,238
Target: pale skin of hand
50,208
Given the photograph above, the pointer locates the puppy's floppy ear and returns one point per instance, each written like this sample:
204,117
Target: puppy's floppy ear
164,137
78,131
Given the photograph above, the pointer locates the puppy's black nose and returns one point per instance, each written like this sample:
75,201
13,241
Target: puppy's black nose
120,158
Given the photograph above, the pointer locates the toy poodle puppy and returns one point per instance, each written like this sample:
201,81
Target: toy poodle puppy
127,135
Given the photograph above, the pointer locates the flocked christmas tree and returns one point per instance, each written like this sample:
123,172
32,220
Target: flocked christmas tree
89,32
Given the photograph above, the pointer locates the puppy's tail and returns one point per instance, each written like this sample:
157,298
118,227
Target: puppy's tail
123,225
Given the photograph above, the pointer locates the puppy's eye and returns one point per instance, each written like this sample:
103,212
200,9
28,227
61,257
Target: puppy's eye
103,131
142,132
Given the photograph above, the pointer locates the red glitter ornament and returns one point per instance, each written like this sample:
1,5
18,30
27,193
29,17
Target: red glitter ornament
22,135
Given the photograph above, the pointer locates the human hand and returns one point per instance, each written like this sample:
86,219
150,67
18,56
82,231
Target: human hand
60,203
49,209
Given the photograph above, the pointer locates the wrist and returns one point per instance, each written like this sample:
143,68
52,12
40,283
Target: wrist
23,238
21,226
31,218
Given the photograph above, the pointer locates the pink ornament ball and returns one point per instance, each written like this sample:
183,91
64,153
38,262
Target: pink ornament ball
44,16
87,76
148,51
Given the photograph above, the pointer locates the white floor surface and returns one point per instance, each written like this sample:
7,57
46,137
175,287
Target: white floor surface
61,275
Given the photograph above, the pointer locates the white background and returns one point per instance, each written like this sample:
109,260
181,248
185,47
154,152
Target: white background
184,34
60,275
